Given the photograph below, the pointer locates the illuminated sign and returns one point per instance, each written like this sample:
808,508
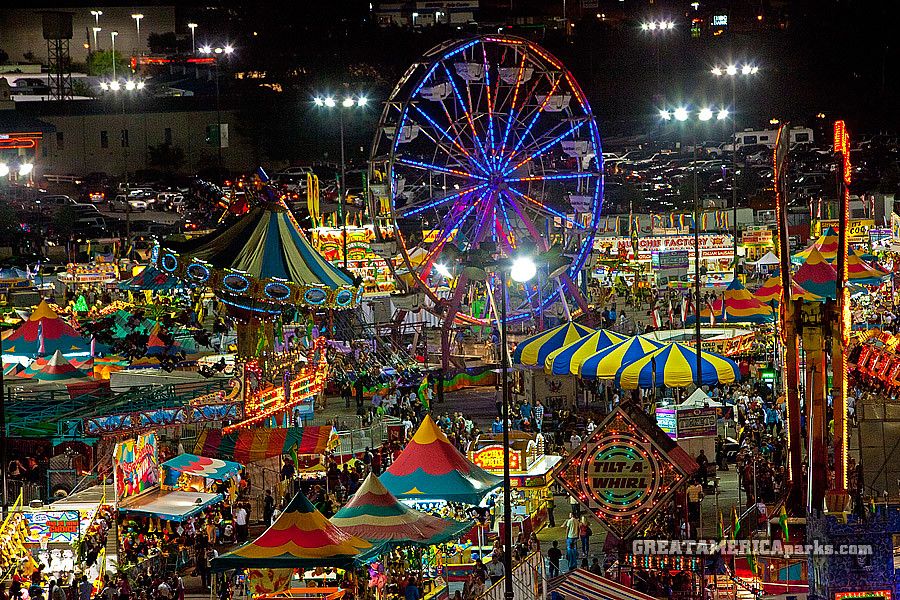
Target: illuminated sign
665,418
136,466
757,238
711,245
858,231
697,422
863,595
720,20
623,473
54,526
490,458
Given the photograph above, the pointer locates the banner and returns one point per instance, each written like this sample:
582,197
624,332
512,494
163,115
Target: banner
53,526
136,466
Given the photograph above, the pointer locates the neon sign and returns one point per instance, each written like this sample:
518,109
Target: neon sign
490,458
623,473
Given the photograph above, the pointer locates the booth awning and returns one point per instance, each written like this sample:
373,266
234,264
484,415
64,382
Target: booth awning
581,584
250,445
171,506
201,466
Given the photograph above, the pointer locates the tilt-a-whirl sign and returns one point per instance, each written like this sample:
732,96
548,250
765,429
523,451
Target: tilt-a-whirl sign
626,471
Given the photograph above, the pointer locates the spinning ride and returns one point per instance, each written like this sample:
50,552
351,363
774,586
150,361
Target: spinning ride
487,144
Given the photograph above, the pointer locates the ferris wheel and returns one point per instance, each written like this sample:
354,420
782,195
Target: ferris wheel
488,145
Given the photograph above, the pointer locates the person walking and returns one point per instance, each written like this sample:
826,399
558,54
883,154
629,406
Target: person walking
571,526
553,555
584,534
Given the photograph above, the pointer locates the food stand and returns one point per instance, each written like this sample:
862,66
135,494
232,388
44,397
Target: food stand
529,470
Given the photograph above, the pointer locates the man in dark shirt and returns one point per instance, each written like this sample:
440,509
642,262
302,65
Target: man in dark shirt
554,554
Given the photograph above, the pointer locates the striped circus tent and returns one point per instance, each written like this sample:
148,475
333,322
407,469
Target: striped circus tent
581,584
301,538
675,366
737,305
374,514
862,273
826,245
770,291
564,360
533,351
816,275
606,363
44,333
431,468
56,369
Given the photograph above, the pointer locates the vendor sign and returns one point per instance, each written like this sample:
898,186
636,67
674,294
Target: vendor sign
711,245
136,466
52,526
490,458
665,418
625,472
697,422
857,232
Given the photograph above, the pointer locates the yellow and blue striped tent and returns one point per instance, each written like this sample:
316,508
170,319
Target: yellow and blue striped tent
533,351
606,363
675,365
562,361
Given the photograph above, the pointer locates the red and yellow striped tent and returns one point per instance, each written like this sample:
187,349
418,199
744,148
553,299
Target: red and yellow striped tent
826,245
771,291
301,538
738,305
250,445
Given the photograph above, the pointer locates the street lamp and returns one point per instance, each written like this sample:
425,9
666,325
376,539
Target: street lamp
521,270
347,103
128,87
137,21
703,115
192,27
96,14
658,28
223,50
731,71
112,35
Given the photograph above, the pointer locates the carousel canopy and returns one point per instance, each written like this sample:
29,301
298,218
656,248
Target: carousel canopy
565,360
43,334
862,273
605,364
374,514
816,275
431,468
151,279
826,245
675,365
533,351
55,369
250,445
262,261
301,538
737,305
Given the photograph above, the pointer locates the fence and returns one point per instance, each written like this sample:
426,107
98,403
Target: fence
528,581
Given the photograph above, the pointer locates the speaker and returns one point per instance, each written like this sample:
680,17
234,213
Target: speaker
57,25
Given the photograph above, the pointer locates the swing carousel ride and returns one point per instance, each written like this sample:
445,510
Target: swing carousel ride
487,149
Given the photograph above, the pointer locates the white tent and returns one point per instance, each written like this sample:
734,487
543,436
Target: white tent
768,259
699,399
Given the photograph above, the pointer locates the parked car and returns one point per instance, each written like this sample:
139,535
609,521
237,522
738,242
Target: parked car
124,203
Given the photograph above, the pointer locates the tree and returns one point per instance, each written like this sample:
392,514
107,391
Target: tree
101,63
166,157
162,43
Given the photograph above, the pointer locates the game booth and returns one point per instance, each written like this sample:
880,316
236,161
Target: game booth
530,476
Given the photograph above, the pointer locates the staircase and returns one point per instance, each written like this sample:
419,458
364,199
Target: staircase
112,540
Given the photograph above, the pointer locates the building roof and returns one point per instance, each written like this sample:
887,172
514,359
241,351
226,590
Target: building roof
14,121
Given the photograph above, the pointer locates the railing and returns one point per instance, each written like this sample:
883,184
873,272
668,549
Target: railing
528,581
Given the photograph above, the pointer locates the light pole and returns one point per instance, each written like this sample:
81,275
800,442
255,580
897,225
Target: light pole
658,29
731,71
683,115
112,36
96,30
521,270
137,21
225,50
347,103
96,14
129,87
193,27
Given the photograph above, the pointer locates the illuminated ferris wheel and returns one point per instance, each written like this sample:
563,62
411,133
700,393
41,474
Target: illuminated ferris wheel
488,145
